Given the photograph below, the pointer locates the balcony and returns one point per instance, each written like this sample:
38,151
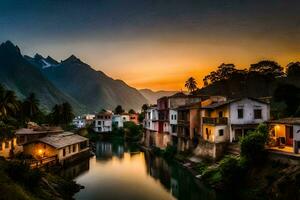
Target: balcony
215,120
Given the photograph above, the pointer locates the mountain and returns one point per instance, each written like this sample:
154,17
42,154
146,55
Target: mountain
92,88
152,96
19,75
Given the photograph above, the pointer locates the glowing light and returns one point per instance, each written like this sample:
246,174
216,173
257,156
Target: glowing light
40,151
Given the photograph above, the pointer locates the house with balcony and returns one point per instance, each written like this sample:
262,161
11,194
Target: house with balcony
103,122
284,135
225,121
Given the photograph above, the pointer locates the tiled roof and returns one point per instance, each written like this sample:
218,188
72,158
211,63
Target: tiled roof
222,103
62,140
290,121
29,131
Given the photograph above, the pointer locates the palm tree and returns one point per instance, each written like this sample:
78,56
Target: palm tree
9,104
31,106
191,84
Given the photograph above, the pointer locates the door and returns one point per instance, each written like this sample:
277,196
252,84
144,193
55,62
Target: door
289,135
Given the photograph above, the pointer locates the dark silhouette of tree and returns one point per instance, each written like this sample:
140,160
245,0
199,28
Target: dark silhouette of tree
290,95
30,106
268,68
9,105
191,84
119,110
62,114
293,69
131,111
224,72
145,107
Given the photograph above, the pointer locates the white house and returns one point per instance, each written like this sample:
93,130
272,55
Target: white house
173,117
228,120
82,121
151,119
103,122
119,120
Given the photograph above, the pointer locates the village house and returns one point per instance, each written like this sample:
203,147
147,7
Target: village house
284,135
226,121
33,132
119,119
103,122
62,148
82,121
150,124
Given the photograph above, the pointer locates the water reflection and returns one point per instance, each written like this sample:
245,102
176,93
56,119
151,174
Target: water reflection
121,171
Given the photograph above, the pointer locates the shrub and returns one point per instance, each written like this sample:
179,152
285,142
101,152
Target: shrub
230,170
22,173
253,145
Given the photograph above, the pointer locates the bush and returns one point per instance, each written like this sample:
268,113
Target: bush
230,170
253,145
22,173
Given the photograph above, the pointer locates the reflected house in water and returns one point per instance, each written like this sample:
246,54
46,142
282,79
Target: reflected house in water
64,148
106,150
9,147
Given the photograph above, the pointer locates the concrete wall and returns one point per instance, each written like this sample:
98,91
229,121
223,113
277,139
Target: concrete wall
248,105
214,133
212,150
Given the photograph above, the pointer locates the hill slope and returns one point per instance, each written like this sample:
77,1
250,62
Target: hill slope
152,96
89,87
19,75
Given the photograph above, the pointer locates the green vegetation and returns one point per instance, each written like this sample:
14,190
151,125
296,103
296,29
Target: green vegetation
18,181
119,110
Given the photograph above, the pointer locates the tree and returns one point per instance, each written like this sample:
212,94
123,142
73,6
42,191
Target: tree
268,68
119,110
62,114
131,111
290,95
9,104
191,84
224,72
67,113
31,106
293,69
145,108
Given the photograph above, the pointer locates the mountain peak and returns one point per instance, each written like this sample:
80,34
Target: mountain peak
10,47
72,58
51,60
38,57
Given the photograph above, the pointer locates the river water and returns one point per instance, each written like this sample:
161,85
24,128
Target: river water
121,171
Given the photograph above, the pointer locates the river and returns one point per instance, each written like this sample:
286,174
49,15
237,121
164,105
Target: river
122,171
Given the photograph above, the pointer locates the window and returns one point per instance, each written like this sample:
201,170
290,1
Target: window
175,117
0,146
221,114
6,145
221,132
74,148
171,117
257,114
83,145
64,152
240,113
69,149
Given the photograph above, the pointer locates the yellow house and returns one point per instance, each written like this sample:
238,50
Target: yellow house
60,146
284,135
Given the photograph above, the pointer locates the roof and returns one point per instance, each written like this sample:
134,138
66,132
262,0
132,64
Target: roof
178,95
30,131
62,140
223,103
290,121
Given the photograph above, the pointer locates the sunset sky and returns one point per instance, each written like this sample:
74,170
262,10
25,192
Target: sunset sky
156,44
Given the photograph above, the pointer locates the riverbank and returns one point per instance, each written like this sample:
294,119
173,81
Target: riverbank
233,178
18,181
